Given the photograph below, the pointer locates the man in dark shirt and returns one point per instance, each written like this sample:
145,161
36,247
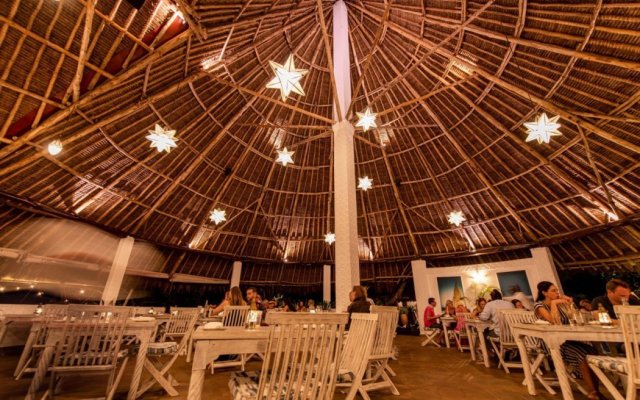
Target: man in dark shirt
617,290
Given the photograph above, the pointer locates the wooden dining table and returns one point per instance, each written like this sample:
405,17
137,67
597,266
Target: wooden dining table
445,321
479,327
212,343
554,336
143,330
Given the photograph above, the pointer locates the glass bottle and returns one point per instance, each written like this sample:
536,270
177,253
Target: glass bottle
603,315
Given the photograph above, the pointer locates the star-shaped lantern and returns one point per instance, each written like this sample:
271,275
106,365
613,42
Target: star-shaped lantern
217,216
456,218
366,119
284,157
330,238
365,183
543,128
162,139
287,78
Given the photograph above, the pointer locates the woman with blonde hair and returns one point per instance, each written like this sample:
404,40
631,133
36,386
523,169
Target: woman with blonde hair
232,298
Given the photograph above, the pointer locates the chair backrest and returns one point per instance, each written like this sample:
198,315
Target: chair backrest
511,317
91,337
385,331
235,315
181,321
302,356
50,313
629,317
359,342
461,322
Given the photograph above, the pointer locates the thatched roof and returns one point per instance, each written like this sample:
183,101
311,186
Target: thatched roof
452,82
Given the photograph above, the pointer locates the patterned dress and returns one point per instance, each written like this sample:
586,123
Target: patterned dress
573,352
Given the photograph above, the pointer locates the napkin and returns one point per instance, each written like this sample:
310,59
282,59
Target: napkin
213,325
542,322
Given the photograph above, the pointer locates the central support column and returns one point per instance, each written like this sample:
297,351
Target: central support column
344,169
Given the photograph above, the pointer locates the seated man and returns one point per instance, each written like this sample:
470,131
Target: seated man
617,291
491,313
430,316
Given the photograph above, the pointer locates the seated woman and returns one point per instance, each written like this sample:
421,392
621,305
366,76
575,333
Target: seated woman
233,298
359,302
518,304
480,303
551,307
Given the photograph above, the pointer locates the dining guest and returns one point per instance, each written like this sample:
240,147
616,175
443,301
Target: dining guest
491,312
311,304
617,292
480,303
518,294
461,308
449,308
518,304
234,298
254,299
289,306
430,315
585,305
360,304
552,307
301,307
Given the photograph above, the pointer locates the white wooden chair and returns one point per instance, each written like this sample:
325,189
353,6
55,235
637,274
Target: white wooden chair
505,342
37,338
628,366
233,316
301,359
461,332
536,353
90,344
184,321
431,336
357,351
382,351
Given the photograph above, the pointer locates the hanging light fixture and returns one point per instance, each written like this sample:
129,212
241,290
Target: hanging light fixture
330,238
611,216
287,78
365,183
456,218
218,216
55,147
543,128
284,157
162,138
366,119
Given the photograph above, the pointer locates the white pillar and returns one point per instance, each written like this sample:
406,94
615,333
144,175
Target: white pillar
326,283
345,211
344,173
235,274
421,287
341,63
545,268
116,273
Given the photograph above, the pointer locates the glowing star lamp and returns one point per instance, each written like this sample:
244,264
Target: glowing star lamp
330,238
284,157
217,216
287,78
456,218
162,139
366,119
365,183
55,147
543,128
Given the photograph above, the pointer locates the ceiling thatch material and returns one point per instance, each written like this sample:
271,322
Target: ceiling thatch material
453,82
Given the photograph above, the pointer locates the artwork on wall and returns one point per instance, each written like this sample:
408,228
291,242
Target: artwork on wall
450,288
513,279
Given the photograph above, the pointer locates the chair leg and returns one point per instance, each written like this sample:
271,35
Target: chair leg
390,370
607,383
112,390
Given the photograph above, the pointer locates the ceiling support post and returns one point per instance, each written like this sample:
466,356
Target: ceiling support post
116,273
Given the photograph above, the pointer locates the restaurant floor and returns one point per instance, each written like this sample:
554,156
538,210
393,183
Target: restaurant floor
422,373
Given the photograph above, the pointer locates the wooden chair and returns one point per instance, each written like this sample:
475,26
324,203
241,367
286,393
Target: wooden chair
536,353
382,350
90,344
233,316
37,338
461,332
357,351
431,337
505,342
184,323
628,366
301,359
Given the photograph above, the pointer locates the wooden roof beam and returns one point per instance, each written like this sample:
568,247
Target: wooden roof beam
407,34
